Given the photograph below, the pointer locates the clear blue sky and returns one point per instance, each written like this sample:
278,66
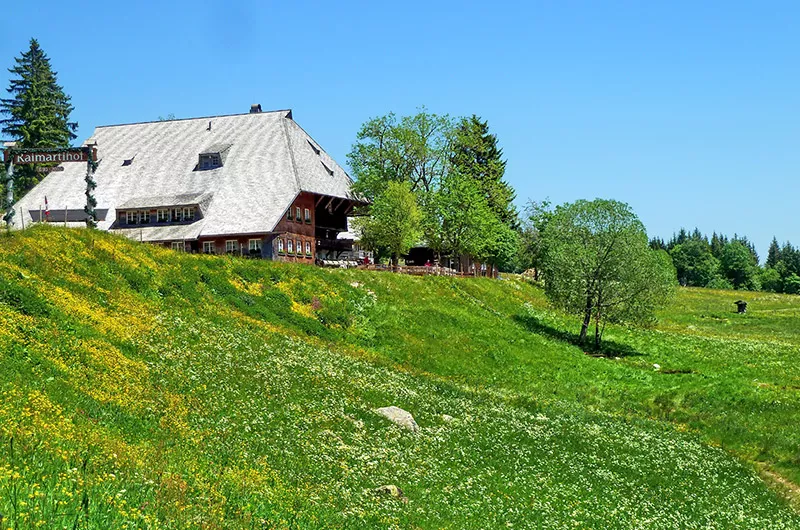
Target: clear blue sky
688,111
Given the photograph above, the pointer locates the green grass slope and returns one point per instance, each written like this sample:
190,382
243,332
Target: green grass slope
141,388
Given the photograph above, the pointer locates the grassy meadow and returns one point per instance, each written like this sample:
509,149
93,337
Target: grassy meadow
142,388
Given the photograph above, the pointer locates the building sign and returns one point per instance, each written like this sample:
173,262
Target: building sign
56,156
46,170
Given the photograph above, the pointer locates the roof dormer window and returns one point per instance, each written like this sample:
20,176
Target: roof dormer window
213,157
210,161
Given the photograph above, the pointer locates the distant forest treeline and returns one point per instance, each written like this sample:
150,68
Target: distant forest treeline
720,262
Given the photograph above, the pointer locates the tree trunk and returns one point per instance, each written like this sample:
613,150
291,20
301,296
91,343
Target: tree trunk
596,332
587,319
597,316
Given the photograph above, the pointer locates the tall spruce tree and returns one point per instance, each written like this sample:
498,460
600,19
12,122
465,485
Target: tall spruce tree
774,253
718,242
37,113
658,243
475,154
790,257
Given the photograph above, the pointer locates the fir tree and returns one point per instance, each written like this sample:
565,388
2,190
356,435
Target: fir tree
678,239
718,242
697,235
790,257
475,154
658,244
37,113
774,253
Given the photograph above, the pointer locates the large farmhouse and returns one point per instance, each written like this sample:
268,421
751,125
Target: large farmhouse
254,184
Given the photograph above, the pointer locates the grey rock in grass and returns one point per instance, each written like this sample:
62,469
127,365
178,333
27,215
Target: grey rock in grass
447,418
399,417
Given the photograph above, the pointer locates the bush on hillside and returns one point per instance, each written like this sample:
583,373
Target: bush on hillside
718,282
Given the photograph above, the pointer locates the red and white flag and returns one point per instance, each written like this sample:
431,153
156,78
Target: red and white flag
46,210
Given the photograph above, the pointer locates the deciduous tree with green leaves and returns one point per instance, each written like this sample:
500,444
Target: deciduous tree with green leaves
740,266
695,264
413,149
537,214
456,174
394,222
458,217
460,222
37,115
770,279
598,265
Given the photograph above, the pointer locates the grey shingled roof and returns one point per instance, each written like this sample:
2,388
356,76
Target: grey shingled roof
163,232
185,199
215,149
268,163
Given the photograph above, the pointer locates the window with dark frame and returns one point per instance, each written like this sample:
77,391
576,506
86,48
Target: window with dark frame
158,215
297,214
280,246
210,161
308,215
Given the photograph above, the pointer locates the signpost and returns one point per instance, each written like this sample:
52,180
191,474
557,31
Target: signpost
44,156
9,216
19,157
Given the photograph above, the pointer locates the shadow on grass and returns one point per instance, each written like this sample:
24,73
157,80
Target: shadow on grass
608,348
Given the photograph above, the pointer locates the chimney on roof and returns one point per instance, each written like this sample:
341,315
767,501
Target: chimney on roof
255,108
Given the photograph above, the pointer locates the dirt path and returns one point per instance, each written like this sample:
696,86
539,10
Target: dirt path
784,486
